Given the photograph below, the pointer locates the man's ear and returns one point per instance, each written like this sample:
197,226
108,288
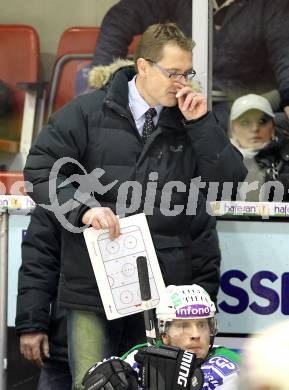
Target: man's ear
165,339
142,67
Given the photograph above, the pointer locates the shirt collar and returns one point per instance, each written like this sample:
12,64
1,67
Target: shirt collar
137,103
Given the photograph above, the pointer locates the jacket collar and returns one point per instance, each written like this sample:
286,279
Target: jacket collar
117,91
279,146
233,10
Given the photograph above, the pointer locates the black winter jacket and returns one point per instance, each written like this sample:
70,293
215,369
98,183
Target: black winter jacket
98,131
38,284
250,52
273,159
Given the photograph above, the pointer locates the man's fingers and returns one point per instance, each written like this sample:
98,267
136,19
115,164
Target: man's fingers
117,226
199,101
27,353
111,227
113,224
26,348
188,99
189,102
45,346
36,352
95,224
39,363
181,102
37,360
33,355
192,101
21,349
103,218
31,347
183,91
196,101
95,218
87,218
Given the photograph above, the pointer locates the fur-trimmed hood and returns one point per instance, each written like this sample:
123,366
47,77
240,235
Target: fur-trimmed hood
99,76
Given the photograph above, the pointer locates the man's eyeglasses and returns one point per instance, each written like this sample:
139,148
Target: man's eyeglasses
174,75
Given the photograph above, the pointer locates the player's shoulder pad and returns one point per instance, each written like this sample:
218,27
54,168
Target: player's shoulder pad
226,352
219,368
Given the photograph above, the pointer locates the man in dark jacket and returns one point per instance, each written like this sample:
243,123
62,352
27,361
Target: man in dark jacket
40,324
142,127
250,46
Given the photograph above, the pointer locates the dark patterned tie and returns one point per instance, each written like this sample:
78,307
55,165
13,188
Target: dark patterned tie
149,125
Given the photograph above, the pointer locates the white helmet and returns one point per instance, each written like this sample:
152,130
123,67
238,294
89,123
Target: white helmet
185,302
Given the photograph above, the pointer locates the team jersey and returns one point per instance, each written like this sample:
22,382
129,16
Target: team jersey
221,369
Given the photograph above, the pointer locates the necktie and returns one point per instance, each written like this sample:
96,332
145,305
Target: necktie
149,125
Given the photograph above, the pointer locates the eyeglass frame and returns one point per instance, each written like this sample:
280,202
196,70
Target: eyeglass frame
169,74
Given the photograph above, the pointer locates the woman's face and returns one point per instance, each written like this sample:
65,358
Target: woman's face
253,129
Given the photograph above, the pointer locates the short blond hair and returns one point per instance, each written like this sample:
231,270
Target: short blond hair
156,37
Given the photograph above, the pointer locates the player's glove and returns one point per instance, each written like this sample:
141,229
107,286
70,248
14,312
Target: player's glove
169,368
113,374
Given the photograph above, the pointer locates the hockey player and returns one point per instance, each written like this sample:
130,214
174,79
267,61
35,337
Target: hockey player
184,359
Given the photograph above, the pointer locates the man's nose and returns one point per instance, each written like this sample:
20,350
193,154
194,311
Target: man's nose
180,83
194,333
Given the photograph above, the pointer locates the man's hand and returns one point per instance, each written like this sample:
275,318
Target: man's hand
193,105
102,218
162,368
34,346
113,374
286,110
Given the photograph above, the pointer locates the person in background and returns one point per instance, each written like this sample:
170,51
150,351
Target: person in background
186,321
263,144
250,45
261,370
40,323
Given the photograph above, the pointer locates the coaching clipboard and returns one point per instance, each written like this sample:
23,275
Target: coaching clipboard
115,268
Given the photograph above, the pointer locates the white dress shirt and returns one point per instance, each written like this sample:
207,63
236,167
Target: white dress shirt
139,106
